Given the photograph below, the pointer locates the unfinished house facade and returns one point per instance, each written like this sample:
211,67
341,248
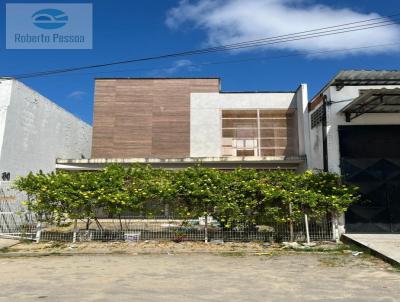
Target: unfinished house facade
351,127
182,121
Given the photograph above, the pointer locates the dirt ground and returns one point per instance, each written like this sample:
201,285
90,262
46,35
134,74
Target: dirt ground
215,273
142,247
166,247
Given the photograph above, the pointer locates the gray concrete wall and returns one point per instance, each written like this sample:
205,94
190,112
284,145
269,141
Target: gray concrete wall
315,158
205,116
36,131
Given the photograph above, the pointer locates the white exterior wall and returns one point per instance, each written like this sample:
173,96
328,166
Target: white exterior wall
335,118
36,131
205,115
5,93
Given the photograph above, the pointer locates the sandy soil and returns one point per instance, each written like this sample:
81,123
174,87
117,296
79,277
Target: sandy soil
140,247
199,277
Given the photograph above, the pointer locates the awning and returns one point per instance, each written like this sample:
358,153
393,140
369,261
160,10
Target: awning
373,101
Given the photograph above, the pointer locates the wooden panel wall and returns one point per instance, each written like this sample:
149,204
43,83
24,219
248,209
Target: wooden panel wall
277,129
144,117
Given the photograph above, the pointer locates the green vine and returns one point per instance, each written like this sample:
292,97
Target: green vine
234,198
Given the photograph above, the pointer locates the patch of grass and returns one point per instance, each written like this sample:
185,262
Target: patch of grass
56,244
26,241
339,248
4,250
332,261
395,267
118,252
359,248
317,250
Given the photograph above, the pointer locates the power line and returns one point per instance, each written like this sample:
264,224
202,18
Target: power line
245,59
319,29
224,48
272,40
325,31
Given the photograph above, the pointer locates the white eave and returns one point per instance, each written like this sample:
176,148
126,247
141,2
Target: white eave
219,162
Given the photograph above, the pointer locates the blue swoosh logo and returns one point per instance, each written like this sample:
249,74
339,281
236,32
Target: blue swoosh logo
49,18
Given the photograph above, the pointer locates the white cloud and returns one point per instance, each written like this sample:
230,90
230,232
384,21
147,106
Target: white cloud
77,95
232,21
177,66
181,64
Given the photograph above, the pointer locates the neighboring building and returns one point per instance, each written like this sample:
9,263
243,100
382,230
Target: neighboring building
176,122
355,131
34,132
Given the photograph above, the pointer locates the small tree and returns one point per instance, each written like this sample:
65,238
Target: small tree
198,191
243,197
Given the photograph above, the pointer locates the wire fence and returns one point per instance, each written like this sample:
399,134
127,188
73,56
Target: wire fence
141,228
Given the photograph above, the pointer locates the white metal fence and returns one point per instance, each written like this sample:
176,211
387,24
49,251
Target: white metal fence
15,221
141,228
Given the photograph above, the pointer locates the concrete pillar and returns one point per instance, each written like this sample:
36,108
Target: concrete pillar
303,121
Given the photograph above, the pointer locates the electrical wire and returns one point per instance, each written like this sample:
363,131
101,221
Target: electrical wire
260,58
320,32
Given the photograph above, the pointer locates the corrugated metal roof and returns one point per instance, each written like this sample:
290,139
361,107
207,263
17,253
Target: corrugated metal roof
366,77
373,101
361,78
371,75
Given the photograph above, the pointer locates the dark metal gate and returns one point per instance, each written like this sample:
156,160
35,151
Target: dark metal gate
370,159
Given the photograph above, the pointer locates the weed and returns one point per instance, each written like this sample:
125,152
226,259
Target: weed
4,250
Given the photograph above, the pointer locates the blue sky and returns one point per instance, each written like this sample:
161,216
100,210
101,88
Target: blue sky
132,29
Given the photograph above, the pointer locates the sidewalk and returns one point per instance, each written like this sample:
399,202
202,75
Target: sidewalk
385,245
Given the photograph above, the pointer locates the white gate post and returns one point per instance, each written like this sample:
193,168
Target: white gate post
335,228
206,229
75,230
307,230
38,232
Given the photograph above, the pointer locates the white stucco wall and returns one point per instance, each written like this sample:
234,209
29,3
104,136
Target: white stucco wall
205,115
36,131
334,119
5,93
